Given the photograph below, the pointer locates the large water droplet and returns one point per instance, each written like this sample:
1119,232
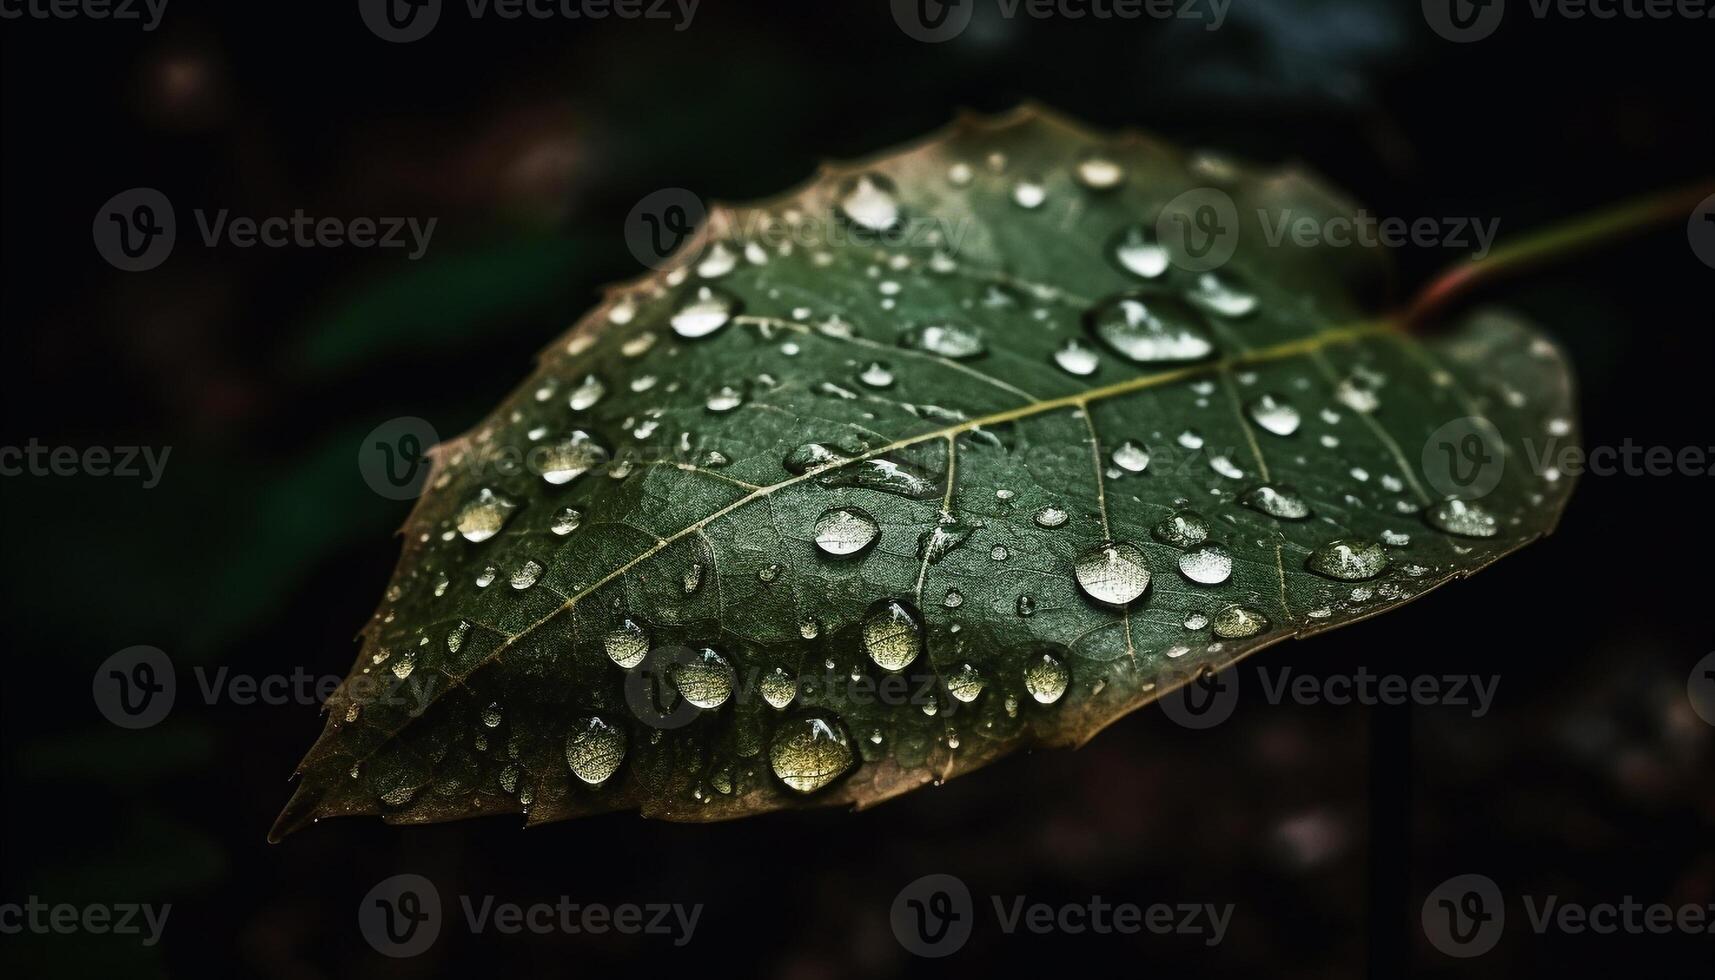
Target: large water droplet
1207,564
1114,573
1137,251
627,644
1274,414
705,311
1348,559
1049,517
842,531
802,459
594,750
892,634
706,680
1221,295
934,544
869,201
810,752
566,521
946,339
526,574
571,458
884,475
1238,622
1046,677
1463,518
1281,502
1183,529
1151,329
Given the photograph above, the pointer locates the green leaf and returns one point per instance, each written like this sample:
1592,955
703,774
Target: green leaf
873,510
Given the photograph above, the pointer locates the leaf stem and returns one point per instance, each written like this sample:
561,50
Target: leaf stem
1552,244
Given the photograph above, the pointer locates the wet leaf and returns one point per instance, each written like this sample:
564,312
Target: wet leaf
943,455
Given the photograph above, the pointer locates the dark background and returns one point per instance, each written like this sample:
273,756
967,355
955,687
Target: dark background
263,550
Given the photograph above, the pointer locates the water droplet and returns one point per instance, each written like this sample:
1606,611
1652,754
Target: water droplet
1026,605
594,750
1137,251
869,201
1151,329
1077,358
1358,394
1114,573
1348,559
1238,622
842,531
1218,295
1131,457
999,553
571,458
705,311
1281,502
892,634
811,455
484,515
456,635
934,544
693,578
706,680
1045,677
1207,564
588,392
1049,517
877,375
526,574
1274,414
491,715
884,475
566,521
485,578
1029,194
1099,172
778,688
1184,529
1195,620
1463,518
1190,439
965,683
946,339
953,599
960,174
724,399
810,752
717,260
626,644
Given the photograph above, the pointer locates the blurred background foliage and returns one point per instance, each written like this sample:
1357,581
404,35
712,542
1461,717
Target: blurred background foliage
262,550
